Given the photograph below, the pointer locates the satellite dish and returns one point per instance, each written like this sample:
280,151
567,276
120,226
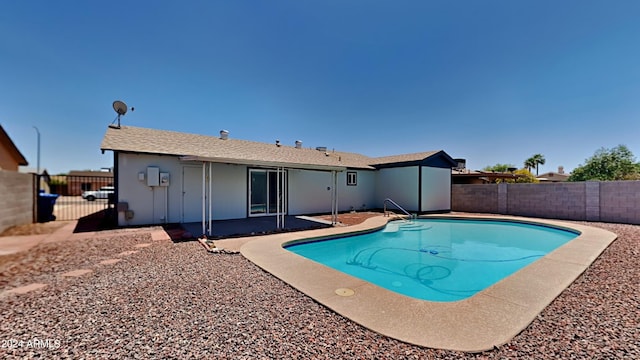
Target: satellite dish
120,107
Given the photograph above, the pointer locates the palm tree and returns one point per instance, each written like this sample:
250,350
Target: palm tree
530,163
538,159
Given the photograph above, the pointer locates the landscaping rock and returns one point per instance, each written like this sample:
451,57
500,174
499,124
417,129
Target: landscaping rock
175,300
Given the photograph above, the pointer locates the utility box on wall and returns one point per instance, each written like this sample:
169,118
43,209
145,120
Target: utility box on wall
153,176
164,179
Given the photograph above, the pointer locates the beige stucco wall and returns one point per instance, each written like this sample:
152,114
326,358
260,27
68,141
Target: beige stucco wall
16,199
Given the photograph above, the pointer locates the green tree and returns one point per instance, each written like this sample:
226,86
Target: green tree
608,164
525,176
499,168
534,162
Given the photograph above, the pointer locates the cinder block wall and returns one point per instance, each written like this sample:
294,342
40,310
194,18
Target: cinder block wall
474,198
556,200
611,201
16,199
620,201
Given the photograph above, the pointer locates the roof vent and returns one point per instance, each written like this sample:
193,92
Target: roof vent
224,134
322,148
278,143
298,144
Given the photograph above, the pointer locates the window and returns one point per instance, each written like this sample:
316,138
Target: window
85,186
352,178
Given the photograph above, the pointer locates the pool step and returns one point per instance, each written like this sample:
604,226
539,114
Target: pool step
414,227
409,226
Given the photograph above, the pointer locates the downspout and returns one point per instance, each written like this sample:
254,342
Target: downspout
166,204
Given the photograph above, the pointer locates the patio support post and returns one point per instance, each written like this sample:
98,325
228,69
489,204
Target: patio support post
277,198
210,199
335,186
204,198
284,195
334,197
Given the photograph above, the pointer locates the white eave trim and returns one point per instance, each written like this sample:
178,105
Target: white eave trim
263,163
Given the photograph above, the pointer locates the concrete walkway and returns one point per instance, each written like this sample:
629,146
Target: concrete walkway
14,244
17,244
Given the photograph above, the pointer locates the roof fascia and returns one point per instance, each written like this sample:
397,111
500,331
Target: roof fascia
438,160
441,160
263,163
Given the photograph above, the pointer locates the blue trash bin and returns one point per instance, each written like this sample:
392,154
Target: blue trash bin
45,206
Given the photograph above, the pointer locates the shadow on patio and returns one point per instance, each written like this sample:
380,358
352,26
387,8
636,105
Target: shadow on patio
223,229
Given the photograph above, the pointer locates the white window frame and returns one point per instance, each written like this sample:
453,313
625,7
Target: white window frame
352,178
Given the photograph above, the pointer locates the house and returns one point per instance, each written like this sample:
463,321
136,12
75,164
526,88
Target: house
81,181
10,157
461,175
78,181
551,176
172,177
465,176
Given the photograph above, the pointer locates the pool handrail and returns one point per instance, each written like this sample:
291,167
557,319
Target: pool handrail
388,200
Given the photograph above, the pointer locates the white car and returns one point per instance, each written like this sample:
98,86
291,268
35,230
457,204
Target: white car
103,193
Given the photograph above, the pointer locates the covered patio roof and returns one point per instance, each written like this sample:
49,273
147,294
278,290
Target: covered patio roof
289,165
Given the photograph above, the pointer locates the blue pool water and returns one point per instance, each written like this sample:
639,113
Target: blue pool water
437,259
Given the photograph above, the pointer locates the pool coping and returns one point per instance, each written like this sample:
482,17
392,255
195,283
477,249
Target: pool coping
490,318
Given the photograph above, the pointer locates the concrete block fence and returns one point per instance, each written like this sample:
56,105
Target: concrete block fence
16,199
609,201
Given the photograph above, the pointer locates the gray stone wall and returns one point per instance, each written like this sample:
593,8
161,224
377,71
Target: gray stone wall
611,201
16,199
474,198
556,200
620,201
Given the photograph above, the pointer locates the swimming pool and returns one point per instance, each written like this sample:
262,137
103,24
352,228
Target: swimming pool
440,260
490,318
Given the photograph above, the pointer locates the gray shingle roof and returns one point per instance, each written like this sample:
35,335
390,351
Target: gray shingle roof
202,147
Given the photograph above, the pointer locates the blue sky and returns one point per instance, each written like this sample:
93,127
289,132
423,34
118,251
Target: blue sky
489,81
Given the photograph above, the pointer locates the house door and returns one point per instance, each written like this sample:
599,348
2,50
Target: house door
191,194
264,192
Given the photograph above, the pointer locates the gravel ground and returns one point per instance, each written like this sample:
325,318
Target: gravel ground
34,229
174,300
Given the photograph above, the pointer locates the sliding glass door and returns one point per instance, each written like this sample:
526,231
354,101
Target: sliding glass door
265,189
